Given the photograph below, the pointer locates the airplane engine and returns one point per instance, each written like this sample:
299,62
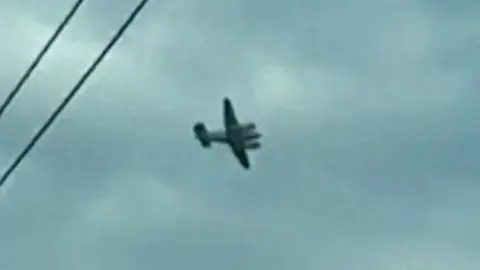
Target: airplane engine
245,127
248,126
249,131
201,133
251,135
252,145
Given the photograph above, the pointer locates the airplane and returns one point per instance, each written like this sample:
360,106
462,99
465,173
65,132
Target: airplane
239,136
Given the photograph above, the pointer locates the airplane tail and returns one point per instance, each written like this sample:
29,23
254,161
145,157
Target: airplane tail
201,133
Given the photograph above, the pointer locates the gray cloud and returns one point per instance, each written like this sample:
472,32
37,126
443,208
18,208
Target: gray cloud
370,140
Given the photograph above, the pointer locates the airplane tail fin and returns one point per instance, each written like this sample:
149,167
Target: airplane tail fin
201,133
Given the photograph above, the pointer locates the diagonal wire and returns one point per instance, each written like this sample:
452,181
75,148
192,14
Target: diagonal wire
39,57
73,92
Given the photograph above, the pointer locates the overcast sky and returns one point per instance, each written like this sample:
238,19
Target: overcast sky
369,111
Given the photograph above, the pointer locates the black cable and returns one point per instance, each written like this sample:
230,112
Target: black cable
39,57
72,93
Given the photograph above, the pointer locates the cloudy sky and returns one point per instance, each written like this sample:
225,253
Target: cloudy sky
369,113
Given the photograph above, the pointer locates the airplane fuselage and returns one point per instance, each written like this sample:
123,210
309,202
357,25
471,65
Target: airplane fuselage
235,136
230,136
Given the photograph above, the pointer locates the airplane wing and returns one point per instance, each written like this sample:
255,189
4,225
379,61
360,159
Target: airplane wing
231,120
229,117
242,157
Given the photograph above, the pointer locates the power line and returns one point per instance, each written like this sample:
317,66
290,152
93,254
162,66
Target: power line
39,57
73,92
